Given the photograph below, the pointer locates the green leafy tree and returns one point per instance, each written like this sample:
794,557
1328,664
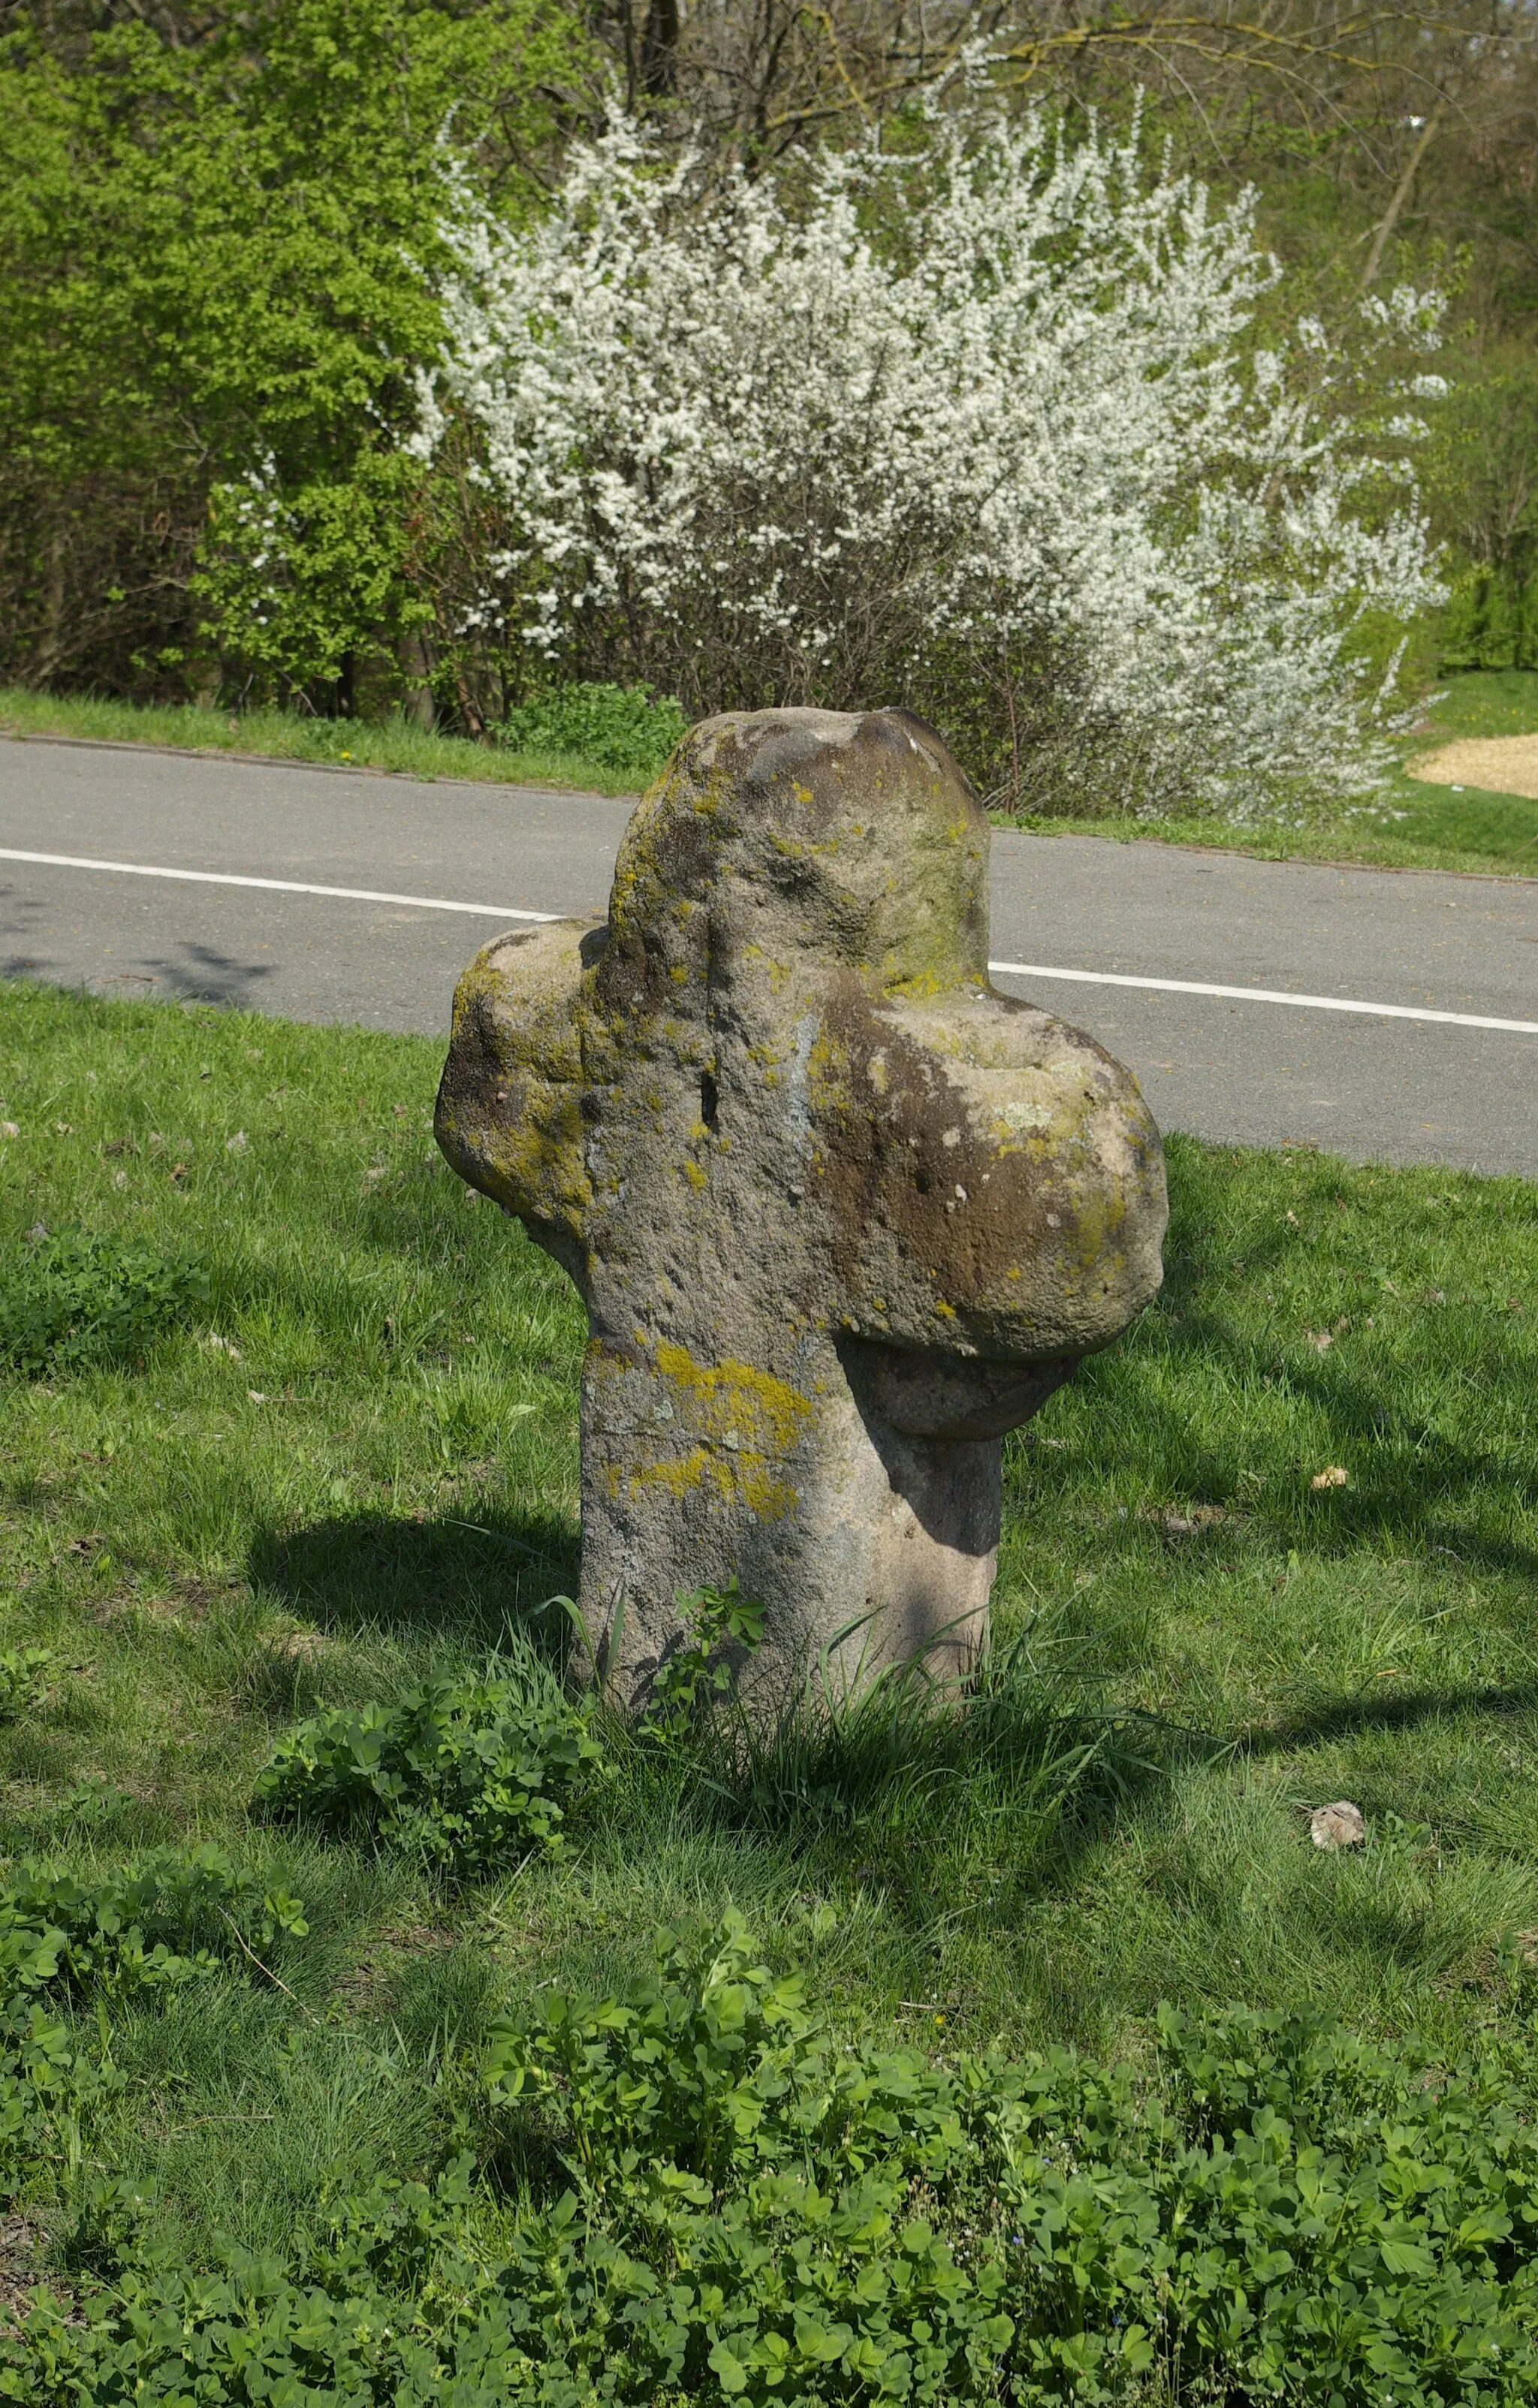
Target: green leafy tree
212,245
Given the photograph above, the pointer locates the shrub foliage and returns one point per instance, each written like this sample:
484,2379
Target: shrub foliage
212,237
614,727
720,2202
472,1773
981,423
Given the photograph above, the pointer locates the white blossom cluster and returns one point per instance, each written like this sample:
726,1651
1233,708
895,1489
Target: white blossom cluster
984,426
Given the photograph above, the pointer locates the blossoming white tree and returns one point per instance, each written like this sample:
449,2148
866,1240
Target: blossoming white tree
982,426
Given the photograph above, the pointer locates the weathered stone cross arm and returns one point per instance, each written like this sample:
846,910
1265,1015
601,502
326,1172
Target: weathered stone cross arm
841,1213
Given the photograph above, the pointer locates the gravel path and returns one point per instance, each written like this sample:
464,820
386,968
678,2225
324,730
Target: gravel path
1499,765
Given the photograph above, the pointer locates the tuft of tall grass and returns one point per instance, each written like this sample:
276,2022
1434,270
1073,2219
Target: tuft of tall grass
931,1779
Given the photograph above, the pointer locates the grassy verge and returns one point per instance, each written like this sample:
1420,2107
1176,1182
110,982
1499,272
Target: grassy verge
338,1458
397,746
1415,826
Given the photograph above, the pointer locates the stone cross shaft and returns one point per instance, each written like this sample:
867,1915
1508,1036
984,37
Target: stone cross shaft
840,1214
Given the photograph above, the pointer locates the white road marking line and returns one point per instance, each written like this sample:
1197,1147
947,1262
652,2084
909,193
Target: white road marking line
1267,995
277,885
1000,969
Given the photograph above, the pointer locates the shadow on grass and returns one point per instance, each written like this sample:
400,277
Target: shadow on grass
954,1804
449,1578
1415,1486
1343,1717
949,1803
1412,1485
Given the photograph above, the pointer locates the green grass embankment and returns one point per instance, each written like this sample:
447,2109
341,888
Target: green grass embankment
290,1428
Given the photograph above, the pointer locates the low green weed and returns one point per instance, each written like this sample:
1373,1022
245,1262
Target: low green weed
23,1679
1283,2210
700,2065
741,2207
69,1296
68,1944
470,1773
172,1921
719,1627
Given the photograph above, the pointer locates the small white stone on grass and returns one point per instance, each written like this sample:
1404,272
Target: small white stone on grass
1340,1826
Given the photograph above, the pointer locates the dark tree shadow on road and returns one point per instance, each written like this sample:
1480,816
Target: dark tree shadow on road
202,976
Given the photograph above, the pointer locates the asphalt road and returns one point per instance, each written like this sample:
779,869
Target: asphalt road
1246,1071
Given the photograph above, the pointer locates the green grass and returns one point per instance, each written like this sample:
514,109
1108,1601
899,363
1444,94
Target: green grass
1196,1646
397,746
1482,702
1413,827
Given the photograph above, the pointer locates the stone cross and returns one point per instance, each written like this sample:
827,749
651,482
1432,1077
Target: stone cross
840,1213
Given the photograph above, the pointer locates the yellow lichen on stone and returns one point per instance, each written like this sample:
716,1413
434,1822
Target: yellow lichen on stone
748,1479
536,1164
916,985
1096,1218
733,1395
828,1082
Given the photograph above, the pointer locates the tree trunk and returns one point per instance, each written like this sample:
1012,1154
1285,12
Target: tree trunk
1401,194
660,50
417,669
51,643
